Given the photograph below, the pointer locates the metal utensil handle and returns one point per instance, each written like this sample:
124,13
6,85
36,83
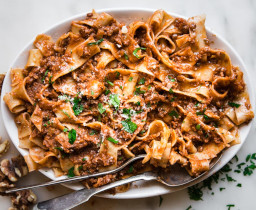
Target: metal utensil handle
76,198
78,178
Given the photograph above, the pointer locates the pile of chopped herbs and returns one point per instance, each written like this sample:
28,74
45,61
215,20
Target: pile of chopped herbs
245,168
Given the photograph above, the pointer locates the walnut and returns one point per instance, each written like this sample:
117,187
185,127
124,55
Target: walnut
20,166
8,170
4,147
22,199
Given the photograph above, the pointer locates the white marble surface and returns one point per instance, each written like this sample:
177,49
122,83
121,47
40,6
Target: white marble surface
21,21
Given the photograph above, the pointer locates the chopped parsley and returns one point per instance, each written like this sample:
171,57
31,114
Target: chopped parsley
112,140
171,79
222,188
93,132
71,172
95,43
136,50
107,92
101,108
64,113
232,104
130,79
198,126
126,56
50,80
173,113
110,83
45,74
170,90
160,200
130,170
77,107
65,130
138,103
142,81
92,92
129,126
230,179
195,193
72,136
190,207
59,148
127,112
239,185
117,74
114,100
230,206
138,91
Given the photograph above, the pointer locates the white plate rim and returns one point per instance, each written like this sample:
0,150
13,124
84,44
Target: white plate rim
160,189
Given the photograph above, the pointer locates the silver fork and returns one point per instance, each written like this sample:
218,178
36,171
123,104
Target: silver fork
78,178
177,176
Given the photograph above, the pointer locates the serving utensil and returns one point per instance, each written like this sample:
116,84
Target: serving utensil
173,177
77,178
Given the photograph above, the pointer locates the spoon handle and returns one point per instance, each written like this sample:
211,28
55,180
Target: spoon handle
78,197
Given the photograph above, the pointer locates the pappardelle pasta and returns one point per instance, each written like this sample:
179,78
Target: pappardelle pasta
105,92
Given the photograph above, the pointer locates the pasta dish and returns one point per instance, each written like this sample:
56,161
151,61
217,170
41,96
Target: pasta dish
105,92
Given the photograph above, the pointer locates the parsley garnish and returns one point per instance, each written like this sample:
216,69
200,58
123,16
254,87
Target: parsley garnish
160,200
239,185
198,126
142,81
72,136
138,103
230,179
101,108
71,172
136,50
112,140
232,104
130,79
92,92
130,170
65,130
64,113
138,91
230,205
195,193
95,43
77,107
173,113
114,100
190,207
107,92
171,79
127,112
126,56
45,74
93,132
110,83
59,148
117,74
50,80
222,188
129,126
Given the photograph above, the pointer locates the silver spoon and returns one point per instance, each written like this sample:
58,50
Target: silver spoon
174,177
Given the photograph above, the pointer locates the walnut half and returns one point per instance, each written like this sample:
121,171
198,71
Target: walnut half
4,147
22,199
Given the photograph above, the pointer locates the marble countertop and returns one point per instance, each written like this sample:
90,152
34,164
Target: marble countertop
235,20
